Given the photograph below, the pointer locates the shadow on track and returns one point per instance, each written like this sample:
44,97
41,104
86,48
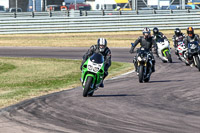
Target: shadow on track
165,81
119,95
174,62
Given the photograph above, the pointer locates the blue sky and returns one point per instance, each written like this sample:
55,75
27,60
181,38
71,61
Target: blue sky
4,3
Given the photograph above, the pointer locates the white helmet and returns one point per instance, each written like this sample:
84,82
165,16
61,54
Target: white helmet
102,44
146,32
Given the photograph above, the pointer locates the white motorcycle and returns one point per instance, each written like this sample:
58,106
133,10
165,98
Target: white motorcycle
182,51
163,50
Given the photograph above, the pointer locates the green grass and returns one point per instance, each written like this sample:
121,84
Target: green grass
24,78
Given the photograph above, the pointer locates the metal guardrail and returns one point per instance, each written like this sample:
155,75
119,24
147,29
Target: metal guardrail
62,22
93,13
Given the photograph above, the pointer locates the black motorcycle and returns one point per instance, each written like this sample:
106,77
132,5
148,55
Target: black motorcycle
194,54
144,64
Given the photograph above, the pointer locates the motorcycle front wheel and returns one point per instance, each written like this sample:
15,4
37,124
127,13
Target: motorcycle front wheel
169,57
87,86
198,62
141,74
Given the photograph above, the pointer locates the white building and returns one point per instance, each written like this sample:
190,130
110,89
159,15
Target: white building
4,3
159,2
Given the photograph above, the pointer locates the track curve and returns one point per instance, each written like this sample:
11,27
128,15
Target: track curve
169,103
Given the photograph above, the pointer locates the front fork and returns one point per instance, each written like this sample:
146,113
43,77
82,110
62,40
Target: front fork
93,81
164,52
145,67
195,62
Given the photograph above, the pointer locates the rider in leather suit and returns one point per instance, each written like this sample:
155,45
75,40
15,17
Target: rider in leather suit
179,36
176,37
147,42
100,47
191,36
156,36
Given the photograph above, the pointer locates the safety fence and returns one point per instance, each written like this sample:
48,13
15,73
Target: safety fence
24,23
73,13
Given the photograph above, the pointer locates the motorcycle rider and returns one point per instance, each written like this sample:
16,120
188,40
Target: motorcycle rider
156,36
191,38
147,42
178,36
100,47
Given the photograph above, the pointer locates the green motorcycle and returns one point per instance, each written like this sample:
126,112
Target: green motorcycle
92,74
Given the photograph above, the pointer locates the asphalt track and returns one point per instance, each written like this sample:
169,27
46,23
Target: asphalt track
169,103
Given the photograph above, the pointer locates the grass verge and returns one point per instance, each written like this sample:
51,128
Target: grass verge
24,78
115,39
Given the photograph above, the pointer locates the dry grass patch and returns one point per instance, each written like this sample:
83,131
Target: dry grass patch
115,39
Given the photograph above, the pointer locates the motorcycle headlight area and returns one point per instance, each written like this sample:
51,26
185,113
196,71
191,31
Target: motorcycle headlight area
193,46
94,69
90,67
140,59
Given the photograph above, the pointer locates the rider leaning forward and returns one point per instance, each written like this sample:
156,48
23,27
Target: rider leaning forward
101,48
146,41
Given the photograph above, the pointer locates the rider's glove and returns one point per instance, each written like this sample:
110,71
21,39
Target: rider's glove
131,51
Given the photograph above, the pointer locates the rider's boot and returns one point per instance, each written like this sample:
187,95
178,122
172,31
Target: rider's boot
101,85
135,64
105,75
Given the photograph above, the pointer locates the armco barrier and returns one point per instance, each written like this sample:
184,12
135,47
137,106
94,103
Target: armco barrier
60,22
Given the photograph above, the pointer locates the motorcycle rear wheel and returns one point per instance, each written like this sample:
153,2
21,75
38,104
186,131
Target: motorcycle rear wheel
164,61
147,79
87,86
187,64
91,94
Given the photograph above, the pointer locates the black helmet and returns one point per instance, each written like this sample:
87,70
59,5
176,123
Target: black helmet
146,32
155,30
190,31
102,44
177,32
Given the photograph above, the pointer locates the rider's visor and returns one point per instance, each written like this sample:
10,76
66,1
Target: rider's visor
102,46
190,34
146,33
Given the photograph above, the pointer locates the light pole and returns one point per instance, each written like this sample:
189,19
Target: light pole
183,4
158,4
42,5
45,5
134,4
34,5
75,4
16,6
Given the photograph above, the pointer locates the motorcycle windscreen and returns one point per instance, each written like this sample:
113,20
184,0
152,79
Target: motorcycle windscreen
160,40
97,58
193,46
142,51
